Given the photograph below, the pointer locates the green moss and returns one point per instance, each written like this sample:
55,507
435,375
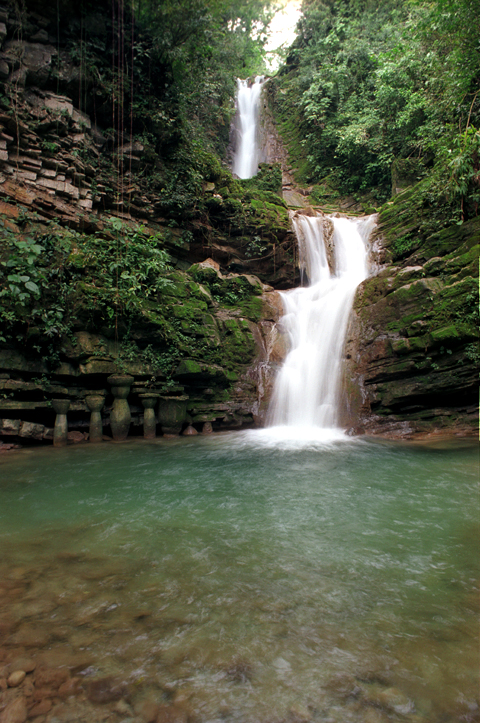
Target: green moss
447,333
252,308
188,366
400,346
268,178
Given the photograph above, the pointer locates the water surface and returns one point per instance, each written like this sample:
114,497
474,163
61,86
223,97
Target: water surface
264,577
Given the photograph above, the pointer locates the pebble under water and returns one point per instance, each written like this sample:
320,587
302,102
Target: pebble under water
238,577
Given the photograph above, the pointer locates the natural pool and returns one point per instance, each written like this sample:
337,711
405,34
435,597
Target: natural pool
247,578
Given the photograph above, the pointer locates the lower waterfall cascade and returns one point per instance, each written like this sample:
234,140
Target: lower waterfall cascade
333,259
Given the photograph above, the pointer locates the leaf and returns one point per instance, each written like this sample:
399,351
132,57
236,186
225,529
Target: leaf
31,286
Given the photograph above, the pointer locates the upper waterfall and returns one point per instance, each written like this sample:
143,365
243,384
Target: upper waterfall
247,151
333,257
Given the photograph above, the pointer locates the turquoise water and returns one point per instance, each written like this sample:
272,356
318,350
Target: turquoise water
261,579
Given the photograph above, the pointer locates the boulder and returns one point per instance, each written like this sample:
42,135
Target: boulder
10,426
30,430
36,60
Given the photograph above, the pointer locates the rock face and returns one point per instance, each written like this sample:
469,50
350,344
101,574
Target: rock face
203,334
412,352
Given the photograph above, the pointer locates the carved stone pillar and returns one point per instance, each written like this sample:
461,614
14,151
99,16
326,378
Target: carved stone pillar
60,430
190,431
120,416
95,404
172,413
149,401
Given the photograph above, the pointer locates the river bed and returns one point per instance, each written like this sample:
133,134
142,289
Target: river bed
245,577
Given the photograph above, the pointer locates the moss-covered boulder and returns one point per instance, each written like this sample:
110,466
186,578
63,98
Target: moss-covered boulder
413,351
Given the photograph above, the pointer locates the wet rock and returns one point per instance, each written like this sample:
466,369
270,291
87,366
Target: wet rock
8,447
15,678
26,664
41,708
240,671
28,688
51,678
75,437
70,687
15,711
171,714
343,685
106,690
33,609
31,637
148,710
371,715
391,699
300,714
190,431
64,658
122,708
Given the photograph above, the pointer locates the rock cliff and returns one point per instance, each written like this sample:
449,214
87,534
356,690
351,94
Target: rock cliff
105,267
412,352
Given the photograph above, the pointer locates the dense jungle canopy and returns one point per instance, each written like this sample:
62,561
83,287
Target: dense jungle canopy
366,90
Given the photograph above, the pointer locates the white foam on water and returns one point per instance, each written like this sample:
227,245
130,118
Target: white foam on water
307,390
247,153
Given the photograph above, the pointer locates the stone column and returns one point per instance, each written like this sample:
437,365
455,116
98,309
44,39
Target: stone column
120,416
95,404
60,430
149,401
171,414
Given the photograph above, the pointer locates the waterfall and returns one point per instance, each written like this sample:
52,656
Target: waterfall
247,152
333,257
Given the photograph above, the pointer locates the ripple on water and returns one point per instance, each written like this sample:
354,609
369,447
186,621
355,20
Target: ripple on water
247,577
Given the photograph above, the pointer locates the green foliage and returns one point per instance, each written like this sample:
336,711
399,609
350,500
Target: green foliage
268,178
21,275
53,278
472,353
131,263
186,58
229,291
404,246
366,85
256,247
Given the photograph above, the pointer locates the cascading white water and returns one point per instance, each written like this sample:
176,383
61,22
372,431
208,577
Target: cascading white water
306,392
247,153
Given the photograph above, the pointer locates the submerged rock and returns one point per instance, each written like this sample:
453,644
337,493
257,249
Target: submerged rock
15,711
15,678
106,690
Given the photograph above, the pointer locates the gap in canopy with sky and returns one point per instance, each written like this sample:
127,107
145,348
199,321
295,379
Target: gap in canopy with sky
281,32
